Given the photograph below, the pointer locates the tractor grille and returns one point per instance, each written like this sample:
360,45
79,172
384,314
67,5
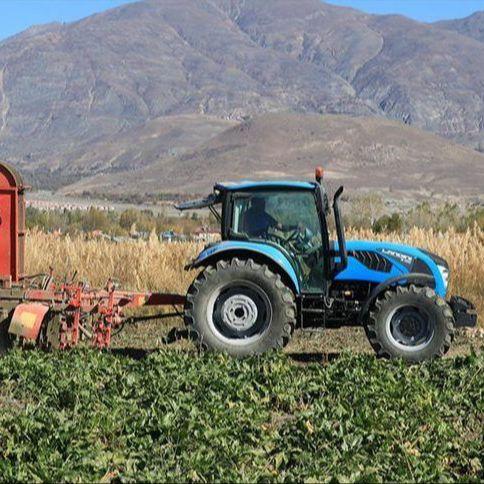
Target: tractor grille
372,260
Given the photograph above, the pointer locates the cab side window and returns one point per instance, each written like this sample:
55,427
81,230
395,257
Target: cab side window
289,219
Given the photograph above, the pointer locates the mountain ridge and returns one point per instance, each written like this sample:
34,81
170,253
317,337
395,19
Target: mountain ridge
363,153
471,26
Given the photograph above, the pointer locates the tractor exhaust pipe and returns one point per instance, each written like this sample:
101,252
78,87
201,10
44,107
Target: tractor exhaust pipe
340,231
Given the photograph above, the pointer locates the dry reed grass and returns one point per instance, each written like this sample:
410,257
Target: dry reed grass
157,266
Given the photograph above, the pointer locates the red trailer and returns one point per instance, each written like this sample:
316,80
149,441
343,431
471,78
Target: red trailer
44,311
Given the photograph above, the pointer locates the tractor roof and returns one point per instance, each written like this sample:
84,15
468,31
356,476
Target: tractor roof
261,185
215,197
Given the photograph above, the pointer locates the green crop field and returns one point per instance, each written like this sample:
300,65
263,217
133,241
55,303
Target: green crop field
177,416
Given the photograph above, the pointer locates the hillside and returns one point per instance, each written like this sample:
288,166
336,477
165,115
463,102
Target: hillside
143,145
368,153
99,95
472,26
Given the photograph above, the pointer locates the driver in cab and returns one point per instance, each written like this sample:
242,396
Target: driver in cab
298,239
257,221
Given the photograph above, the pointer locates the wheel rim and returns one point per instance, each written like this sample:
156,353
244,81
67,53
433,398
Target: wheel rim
239,313
410,328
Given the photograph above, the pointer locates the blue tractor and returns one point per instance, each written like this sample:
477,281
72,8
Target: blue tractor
276,269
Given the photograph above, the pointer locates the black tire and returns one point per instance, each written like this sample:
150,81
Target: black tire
6,341
241,308
429,321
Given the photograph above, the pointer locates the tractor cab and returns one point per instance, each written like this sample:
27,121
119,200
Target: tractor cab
288,217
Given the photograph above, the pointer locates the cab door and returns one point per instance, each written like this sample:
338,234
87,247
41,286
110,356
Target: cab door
289,219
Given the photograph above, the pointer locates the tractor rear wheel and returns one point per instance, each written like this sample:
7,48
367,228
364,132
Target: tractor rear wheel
241,308
412,323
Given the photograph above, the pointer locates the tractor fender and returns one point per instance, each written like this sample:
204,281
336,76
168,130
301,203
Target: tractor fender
416,278
263,253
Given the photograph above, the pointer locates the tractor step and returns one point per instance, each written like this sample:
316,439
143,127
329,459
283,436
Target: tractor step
465,313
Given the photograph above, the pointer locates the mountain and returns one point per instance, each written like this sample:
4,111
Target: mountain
369,153
139,85
406,70
472,26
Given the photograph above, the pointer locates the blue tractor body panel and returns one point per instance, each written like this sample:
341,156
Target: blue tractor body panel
368,261
262,249
401,258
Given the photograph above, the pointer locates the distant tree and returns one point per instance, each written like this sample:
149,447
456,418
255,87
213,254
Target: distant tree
364,210
96,219
389,223
128,218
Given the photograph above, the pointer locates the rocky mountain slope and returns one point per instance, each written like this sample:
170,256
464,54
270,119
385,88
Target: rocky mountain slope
472,26
140,84
363,153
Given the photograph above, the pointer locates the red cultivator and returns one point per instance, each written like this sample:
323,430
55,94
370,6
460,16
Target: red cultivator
60,315
43,311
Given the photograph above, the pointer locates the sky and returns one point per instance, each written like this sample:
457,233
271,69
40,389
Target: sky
18,15
423,10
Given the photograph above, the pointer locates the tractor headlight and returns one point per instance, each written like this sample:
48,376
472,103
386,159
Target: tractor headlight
445,273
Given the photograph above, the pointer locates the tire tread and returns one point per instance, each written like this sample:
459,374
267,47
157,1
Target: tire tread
429,293
286,295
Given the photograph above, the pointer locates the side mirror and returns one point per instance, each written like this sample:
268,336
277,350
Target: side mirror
209,201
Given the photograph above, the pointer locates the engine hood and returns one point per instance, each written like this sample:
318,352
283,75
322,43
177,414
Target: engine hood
376,262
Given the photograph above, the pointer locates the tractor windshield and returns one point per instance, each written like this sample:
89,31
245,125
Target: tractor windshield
289,219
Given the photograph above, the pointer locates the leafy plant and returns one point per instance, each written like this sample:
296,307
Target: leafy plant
177,416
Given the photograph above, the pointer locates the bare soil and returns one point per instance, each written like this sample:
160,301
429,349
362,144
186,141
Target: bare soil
305,346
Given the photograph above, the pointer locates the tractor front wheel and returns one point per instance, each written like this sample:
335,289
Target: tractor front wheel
412,323
241,308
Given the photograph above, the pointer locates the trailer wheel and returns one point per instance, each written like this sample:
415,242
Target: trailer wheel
6,342
412,323
240,307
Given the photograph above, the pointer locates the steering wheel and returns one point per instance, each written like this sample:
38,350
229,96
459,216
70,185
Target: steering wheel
293,235
312,251
278,239
283,236
296,241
